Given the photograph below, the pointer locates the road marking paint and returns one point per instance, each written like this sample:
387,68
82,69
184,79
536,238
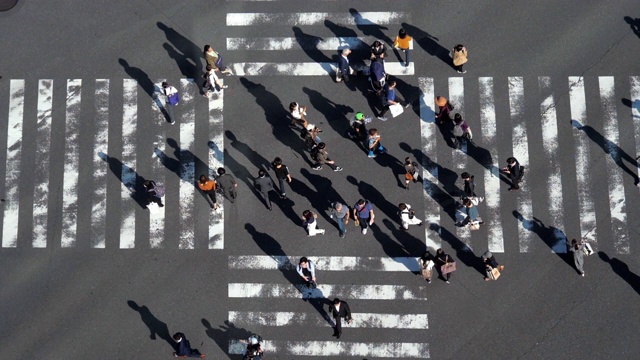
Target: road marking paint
360,292
216,160
582,161
362,320
41,175
71,154
157,217
337,348
128,176
11,204
493,220
293,43
521,152
554,177
308,69
326,263
317,18
100,167
187,164
617,199
429,163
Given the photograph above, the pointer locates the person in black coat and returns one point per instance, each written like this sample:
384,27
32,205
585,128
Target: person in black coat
344,69
264,185
340,309
490,262
441,259
228,184
515,172
184,348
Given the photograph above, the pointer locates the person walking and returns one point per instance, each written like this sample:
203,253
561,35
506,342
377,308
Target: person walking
373,143
515,172
310,223
358,129
426,266
490,263
461,131
215,60
408,216
363,214
344,69
307,270
321,157
228,184
445,264
377,75
298,113
340,310
282,174
468,186
403,42
211,80
390,98
444,110
172,99
340,213
473,218
577,248
411,172
378,50
184,348
459,55
209,187
154,192
265,186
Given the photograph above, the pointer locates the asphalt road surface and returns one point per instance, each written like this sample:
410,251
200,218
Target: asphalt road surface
87,271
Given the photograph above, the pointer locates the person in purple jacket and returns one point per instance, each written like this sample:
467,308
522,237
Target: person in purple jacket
461,131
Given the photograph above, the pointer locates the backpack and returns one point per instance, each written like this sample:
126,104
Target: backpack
314,153
457,130
451,107
303,133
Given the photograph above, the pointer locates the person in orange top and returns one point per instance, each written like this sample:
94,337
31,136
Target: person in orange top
208,187
403,42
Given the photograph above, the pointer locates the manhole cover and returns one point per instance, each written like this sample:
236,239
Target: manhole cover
7,4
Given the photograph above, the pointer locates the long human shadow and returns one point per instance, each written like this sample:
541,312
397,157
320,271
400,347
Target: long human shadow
182,167
271,247
395,165
411,245
609,147
553,237
133,181
410,93
374,30
408,247
335,114
359,52
377,199
483,157
187,55
635,104
318,200
156,327
463,252
362,84
429,43
634,24
622,270
309,44
324,195
225,333
140,76
277,117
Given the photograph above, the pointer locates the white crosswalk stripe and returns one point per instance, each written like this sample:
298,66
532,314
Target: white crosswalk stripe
13,161
43,140
317,18
100,167
365,320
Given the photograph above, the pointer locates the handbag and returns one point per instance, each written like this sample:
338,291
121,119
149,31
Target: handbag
174,99
493,274
396,109
426,273
588,250
448,267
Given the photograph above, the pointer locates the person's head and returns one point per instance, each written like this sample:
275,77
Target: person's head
261,173
407,160
177,337
321,146
373,131
439,251
392,84
346,52
221,171
457,118
465,176
402,33
277,162
467,202
208,48
376,44
359,116
459,47
511,160
337,206
293,106
203,179
402,206
441,101
307,214
165,84
487,255
304,261
147,183
209,68
360,203
336,301
574,243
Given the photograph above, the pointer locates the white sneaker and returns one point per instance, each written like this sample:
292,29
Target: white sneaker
321,231
364,231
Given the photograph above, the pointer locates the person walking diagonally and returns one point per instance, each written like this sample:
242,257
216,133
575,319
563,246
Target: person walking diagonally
340,213
390,98
282,174
515,172
208,187
184,347
373,143
215,60
340,310
298,113
310,223
265,186
408,216
228,184
403,42
459,54
172,99
364,215
321,156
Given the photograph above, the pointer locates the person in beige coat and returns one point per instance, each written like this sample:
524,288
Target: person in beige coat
459,54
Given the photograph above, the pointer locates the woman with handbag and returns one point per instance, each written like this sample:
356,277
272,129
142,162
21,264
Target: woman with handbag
473,216
310,223
446,265
459,55
490,264
426,266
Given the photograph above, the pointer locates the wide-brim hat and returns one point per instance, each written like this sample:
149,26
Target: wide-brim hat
441,101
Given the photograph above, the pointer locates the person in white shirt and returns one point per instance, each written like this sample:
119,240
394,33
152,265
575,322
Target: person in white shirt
407,216
211,79
298,113
307,270
171,101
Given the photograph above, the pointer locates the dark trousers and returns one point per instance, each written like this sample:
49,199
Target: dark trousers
331,165
364,223
230,194
459,67
212,196
265,196
338,321
514,181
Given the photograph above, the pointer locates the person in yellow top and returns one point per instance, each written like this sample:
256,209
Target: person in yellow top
403,42
459,55
208,187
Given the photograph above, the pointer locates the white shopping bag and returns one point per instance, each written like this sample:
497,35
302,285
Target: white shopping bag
396,110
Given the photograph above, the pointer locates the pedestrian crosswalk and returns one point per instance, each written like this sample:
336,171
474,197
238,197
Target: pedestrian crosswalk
379,317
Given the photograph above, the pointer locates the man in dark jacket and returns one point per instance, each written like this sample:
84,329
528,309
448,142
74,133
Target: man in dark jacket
321,156
469,185
344,70
228,184
514,170
264,185
184,348
377,74
340,309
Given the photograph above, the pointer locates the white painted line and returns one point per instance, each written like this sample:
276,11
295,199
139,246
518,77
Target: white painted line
325,263
617,199
493,220
307,69
100,167
521,152
361,320
292,43
157,217
582,161
216,160
317,18
635,112
554,177
187,163
71,154
339,349
429,166
128,176
360,292
41,175
11,204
